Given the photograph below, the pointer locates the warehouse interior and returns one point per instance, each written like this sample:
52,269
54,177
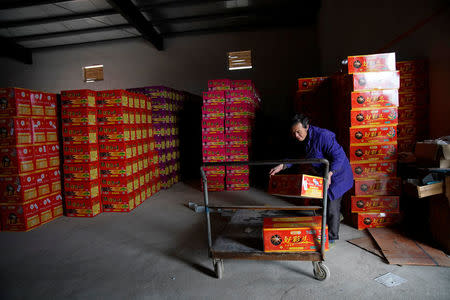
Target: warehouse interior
160,248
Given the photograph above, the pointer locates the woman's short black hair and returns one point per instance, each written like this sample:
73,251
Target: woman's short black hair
300,118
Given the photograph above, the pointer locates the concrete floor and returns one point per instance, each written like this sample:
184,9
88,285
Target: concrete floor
159,251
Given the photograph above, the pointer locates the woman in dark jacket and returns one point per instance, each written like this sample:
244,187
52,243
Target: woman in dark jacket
321,143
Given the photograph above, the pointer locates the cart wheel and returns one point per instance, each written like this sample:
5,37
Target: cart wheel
321,272
218,268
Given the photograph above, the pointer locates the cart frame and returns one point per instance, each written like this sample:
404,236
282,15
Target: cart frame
321,272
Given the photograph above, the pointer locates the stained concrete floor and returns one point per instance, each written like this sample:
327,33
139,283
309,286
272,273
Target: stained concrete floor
159,251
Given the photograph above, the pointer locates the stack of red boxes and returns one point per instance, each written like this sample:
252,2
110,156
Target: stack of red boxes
373,139
80,152
30,183
413,104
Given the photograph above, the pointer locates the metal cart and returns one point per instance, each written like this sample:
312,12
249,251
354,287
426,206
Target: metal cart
240,241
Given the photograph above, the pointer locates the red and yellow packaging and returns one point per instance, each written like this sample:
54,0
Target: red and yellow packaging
296,234
116,168
371,63
17,160
20,217
375,152
237,125
412,67
219,84
117,185
237,170
51,130
81,172
113,151
413,99
79,116
374,116
239,110
82,153
213,126
80,134
53,155
374,169
78,98
79,190
37,100
218,171
375,220
242,85
236,154
49,105
215,183
40,156
373,134
117,133
16,131
14,102
378,187
237,183
214,155
43,184
376,80
112,115
113,98
237,139
57,205
375,204
296,186
375,98
45,209
308,84
213,111
86,208
39,130
118,203
18,188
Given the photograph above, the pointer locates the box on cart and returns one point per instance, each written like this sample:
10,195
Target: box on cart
296,186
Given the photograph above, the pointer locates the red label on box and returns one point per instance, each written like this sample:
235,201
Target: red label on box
387,186
82,153
213,141
17,160
79,116
78,98
112,151
119,185
375,220
239,96
377,116
240,110
296,234
118,203
14,102
235,183
371,63
375,98
376,204
373,152
374,169
237,139
214,97
238,125
376,80
80,134
18,188
39,130
118,133
15,131
214,155
296,186
373,134
307,84
214,171
213,111
20,217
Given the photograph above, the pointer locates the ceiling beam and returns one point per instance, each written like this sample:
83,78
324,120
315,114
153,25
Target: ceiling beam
40,21
44,36
85,43
25,3
132,14
175,3
15,51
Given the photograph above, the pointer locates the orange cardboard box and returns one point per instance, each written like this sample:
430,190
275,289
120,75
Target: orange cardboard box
374,116
375,220
378,186
373,134
81,190
83,208
20,217
37,100
375,204
374,169
15,102
296,234
18,188
81,172
78,98
375,98
49,105
118,203
79,116
73,135
296,186
376,80
17,160
16,131
113,98
371,63
374,152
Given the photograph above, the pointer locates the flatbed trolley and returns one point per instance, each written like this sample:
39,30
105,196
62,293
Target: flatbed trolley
230,245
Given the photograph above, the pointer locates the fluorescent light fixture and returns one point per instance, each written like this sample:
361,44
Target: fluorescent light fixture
240,68
94,66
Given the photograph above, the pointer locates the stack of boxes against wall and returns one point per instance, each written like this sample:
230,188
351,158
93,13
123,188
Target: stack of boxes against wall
166,103
228,115
413,104
80,152
30,183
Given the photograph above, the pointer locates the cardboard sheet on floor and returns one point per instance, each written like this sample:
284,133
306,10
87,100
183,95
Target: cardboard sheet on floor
400,250
367,243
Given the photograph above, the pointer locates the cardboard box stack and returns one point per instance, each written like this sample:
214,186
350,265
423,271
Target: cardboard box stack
166,103
228,116
80,152
30,182
373,139
413,104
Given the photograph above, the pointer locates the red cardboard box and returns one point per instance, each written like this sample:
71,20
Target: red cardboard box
219,84
118,133
113,151
239,110
218,171
407,130
81,189
87,208
214,126
374,169
15,102
237,139
39,130
79,116
378,186
51,130
376,204
15,131
413,99
239,97
57,206
118,203
413,84
42,184
20,217
112,98
373,134
375,220
41,157
237,183
117,185
53,155
81,172
112,115
374,152
80,134
407,144
238,125
412,67
45,209
374,116
82,153
412,114
376,80
214,155
50,105
213,112
18,188
215,184
37,100
296,186
237,170
236,154
308,84
371,63
16,160
242,85
375,98
214,97
296,234
78,98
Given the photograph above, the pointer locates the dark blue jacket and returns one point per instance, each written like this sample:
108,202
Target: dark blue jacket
321,143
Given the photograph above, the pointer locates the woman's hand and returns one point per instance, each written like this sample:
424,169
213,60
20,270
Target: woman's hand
276,169
329,179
